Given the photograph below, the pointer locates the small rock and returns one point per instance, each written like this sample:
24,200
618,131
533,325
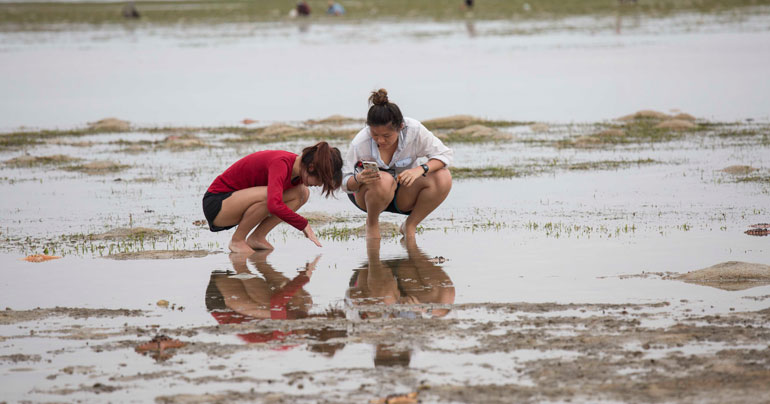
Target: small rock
162,303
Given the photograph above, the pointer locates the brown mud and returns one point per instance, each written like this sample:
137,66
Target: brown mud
158,254
579,352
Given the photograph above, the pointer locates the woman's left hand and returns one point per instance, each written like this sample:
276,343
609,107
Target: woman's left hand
406,178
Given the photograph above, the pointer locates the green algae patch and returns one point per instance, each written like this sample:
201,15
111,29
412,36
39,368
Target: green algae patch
387,230
486,172
36,161
610,164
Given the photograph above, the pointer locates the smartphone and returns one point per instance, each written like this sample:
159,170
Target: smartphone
371,166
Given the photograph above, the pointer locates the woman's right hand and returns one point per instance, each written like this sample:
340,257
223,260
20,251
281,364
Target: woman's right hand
366,177
308,231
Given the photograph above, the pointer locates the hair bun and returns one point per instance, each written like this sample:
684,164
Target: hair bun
379,97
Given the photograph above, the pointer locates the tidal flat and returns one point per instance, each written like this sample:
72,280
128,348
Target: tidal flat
553,267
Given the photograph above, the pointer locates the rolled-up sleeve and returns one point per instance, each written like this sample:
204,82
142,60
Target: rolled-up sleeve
349,166
432,147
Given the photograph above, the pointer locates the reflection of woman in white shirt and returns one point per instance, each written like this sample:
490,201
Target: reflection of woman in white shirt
406,183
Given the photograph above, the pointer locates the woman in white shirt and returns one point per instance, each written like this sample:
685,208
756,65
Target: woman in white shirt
405,183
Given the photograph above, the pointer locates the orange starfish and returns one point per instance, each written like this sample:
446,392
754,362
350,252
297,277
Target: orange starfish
157,345
40,258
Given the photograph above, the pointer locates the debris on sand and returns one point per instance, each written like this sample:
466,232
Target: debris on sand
409,398
759,229
644,114
478,133
676,124
539,127
157,345
32,161
40,258
110,124
201,223
130,233
186,141
98,167
332,120
739,170
158,255
731,275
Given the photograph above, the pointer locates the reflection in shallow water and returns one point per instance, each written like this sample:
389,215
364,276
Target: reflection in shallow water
409,282
235,298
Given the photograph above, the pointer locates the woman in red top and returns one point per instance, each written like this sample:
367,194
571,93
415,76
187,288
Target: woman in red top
267,187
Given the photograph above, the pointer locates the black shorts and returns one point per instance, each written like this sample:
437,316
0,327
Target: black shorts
392,208
212,204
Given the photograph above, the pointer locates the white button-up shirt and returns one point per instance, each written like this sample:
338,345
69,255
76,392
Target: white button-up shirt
416,144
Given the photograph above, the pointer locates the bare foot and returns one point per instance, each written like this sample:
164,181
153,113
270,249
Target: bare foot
259,244
240,247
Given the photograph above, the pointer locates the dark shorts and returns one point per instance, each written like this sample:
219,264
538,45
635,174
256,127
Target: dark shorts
392,208
212,204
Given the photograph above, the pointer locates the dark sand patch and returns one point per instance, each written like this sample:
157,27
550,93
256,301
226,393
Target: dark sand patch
19,358
34,161
9,316
731,275
130,233
99,167
158,254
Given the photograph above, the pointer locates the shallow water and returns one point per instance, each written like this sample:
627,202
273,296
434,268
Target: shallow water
561,71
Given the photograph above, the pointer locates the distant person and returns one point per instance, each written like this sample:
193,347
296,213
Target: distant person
265,188
130,11
398,182
335,9
303,9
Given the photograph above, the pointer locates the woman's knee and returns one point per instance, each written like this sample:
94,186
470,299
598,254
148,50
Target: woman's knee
299,193
443,179
386,186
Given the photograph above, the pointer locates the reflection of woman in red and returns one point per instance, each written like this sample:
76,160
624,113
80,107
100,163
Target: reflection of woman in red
244,297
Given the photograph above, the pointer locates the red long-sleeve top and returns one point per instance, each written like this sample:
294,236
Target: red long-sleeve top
271,168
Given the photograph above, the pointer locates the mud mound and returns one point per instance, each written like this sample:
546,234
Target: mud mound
731,275
539,127
739,170
587,141
110,124
479,132
279,130
676,124
98,167
186,141
451,122
130,233
318,218
158,255
31,161
332,120
684,117
644,114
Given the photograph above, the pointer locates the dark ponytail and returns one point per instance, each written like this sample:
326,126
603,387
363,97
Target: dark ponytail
326,164
382,111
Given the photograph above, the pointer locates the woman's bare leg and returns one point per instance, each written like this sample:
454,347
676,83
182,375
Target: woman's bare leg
422,198
374,198
294,198
244,208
